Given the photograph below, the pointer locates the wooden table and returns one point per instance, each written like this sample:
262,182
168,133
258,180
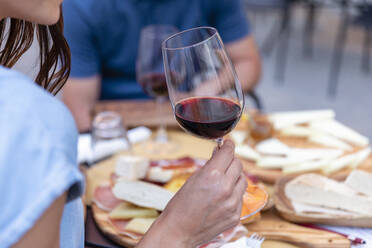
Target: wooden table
139,112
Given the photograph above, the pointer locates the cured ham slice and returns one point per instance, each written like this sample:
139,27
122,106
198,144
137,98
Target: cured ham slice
105,199
181,163
120,226
227,236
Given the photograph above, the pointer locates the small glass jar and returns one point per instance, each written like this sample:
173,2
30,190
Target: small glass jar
109,135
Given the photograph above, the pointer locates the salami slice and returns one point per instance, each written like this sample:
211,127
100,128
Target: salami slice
105,199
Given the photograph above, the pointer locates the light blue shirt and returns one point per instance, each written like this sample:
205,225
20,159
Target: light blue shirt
38,151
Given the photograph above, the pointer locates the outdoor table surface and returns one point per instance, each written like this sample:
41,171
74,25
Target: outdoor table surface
134,113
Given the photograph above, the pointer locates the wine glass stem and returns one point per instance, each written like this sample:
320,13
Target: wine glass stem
219,142
161,134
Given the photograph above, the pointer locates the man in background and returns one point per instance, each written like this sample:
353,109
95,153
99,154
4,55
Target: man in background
104,35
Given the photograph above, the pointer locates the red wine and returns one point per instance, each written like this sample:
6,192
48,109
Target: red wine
207,117
154,84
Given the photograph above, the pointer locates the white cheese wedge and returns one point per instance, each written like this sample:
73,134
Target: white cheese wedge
317,190
276,162
340,131
272,147
139,225
299,131
128,211
298,156
339,163
360,181
142,194
361,156
286,119
159,175
330,141
238,136
132,167
306,166
307,208
304,154
245,151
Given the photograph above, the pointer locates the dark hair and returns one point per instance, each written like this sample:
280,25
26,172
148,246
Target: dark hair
18,36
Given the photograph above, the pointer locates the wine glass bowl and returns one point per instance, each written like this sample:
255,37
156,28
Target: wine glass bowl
205,92
149,65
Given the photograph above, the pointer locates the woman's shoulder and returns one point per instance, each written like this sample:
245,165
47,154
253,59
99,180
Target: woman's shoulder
25,105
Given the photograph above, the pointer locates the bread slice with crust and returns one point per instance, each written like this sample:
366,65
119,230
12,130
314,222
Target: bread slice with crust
361,182
318,190
142,194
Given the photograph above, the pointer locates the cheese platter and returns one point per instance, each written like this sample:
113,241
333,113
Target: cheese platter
300,142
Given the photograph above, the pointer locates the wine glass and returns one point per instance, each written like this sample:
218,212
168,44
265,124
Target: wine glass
203,87
150,70
206,95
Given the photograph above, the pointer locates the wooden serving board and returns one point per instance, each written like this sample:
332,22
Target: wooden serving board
185,145
284,207
272,227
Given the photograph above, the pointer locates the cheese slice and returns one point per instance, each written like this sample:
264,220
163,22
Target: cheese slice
245,151
142,194
276,162
238,136
272,147
340,131
361,156
157,174
299,131
129,211
286,119
317,190
330,141
298,156
340,163
140,225
306,166
304,154
360,181
132,167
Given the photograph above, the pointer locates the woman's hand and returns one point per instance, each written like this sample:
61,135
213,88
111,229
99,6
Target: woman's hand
208,204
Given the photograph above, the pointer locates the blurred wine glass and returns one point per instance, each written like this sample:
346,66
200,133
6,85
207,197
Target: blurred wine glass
150,70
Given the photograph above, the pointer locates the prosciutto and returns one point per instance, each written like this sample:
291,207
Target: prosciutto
105,199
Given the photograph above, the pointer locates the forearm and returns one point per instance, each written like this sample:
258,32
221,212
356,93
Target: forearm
81,113
249,73
246,59
163,235
80,96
